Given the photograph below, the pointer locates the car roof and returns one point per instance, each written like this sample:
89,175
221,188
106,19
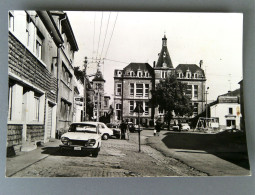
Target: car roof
88,122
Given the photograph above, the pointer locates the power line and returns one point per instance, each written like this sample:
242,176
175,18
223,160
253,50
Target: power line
94,34
100,32
105,34
111,35
115,61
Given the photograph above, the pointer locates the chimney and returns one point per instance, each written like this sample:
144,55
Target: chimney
201,63
154,64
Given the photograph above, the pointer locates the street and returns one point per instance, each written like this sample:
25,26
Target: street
117,158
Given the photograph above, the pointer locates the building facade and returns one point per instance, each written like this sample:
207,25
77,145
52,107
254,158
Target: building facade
133,84
33,44
194,76
227,109
64,70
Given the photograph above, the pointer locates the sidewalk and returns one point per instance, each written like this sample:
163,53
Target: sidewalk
25,159
201,160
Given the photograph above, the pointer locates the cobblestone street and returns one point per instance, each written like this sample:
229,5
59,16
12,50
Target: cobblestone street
117,158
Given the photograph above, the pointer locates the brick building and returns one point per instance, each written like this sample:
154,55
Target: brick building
133,84
36,62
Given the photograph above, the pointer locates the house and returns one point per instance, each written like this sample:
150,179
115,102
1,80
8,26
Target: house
34,42
64,70
78,101
227,109
132,86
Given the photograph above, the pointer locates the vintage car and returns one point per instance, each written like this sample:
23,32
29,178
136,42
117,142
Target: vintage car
104,130
82,137
115,128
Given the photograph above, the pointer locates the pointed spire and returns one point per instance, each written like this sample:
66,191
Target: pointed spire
98,76
164,59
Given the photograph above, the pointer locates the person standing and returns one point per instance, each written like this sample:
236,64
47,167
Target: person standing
158,127
123,128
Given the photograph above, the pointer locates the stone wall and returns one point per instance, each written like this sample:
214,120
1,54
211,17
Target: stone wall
14,135
35,132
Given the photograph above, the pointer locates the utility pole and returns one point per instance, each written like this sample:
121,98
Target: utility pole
85,90
98,102
206,93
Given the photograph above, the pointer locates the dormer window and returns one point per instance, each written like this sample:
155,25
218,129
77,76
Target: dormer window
195,75
139,73
188,74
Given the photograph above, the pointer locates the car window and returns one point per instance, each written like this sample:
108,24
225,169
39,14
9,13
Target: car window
101,126
86,128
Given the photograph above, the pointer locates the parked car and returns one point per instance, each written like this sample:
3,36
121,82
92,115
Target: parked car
115,128
181,127
82,137
185,127
104,130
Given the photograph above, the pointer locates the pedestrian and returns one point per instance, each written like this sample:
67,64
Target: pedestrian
158,127
123,128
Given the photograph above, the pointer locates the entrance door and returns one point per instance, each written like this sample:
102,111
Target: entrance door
231,124
49,121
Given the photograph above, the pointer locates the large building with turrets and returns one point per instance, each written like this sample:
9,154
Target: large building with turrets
132,86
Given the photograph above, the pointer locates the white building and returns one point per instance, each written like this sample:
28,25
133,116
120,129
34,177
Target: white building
227,109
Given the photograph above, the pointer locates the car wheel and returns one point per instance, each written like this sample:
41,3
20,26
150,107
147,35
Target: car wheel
105,136
95,153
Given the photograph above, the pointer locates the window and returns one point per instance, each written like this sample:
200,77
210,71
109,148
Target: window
10,102
189,91
139,74
139,90
11,21
118,89
105,103
230,110
163,74
131,106
36,108
160,110
132,89
132,73
146,90
195,109
28,23
188,75
195,75
39,43
118,111
195,91
146,110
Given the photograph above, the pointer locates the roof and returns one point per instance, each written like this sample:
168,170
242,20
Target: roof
232,93
164,56
192,67
67,28
139,66
98,76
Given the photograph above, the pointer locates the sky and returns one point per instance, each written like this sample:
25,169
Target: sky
119,38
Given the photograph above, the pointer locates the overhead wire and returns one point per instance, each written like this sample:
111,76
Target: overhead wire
94,35
111,35
99,34
105,35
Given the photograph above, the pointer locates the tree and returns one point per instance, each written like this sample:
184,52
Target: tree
169,95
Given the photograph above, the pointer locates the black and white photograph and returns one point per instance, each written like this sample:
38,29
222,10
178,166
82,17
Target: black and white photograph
125,94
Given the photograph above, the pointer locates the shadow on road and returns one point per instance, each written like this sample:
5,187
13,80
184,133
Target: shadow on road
54,151
230,147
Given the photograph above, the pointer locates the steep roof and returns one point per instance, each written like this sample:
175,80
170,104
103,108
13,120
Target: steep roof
98,76
139,66
192,67
164,56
